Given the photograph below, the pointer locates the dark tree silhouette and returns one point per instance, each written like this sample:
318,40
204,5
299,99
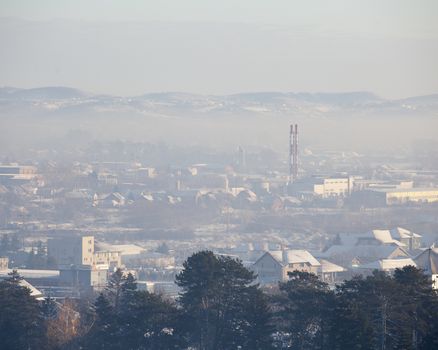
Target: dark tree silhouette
22,325
217,296
304,311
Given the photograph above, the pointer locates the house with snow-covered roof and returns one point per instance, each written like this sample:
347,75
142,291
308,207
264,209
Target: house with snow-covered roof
411,240
353,250
273,266
388,265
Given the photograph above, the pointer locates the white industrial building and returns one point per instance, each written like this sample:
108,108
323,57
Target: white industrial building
385,196
323,187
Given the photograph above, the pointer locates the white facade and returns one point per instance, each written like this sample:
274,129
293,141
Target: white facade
417,195
333,187
76,250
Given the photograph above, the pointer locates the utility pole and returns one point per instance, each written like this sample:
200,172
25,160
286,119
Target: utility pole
383,324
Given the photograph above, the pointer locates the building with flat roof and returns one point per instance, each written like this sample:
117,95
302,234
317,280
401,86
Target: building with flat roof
113,259
17,169
80,251
323,187
85,277
76,250
378,197
17,174
417,195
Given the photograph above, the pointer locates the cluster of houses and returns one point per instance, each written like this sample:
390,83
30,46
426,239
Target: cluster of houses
105,191
85,265
352,254
113,185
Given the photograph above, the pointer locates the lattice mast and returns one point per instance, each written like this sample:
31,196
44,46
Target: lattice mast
293,153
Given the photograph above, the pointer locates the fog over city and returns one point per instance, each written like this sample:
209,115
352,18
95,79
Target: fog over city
218,175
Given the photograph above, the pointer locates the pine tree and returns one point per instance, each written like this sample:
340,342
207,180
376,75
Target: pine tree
102,334
14,277
351,328
416,305
304,311
114,288
216,298
365,313
21,323
258,325
129,284
147,321
49,308
142,321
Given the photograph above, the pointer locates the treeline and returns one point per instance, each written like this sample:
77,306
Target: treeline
221,307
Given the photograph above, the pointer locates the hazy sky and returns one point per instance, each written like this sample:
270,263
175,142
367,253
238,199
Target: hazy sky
222,46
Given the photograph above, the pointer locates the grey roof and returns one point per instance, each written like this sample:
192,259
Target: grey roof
124,249
28,273
389,264
400,233
294,256
327,266
365,253
383,236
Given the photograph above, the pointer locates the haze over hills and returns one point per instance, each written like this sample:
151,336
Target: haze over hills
233,174
64,98
259,118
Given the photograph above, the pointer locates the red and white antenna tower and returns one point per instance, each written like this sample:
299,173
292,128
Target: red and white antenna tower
293,153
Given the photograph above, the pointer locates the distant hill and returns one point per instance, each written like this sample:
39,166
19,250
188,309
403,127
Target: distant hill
421,100
350,120
42,93
324,98
70,100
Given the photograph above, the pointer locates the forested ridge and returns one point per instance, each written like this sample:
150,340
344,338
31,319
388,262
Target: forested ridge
221,307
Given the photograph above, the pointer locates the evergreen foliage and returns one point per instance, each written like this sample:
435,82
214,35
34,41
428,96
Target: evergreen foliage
220,307
22,325
385,312
131,319
304,311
